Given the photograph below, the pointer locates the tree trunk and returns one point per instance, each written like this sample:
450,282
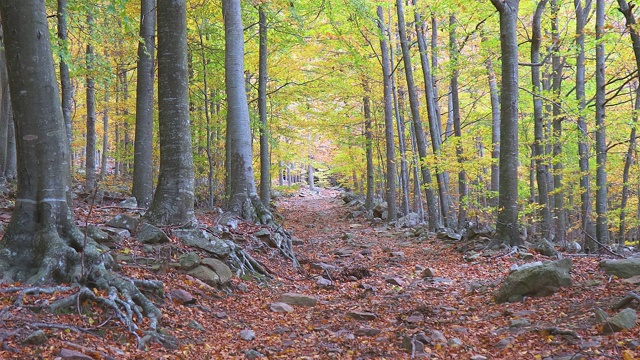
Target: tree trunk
65,78
495,134
265,159
368,145
143,142
583,147
90,149
6,115
173,200
241,188
507,230
388,121
105,136
463,192
542,168
602,228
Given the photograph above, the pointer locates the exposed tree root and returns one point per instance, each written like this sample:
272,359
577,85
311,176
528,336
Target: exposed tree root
626,300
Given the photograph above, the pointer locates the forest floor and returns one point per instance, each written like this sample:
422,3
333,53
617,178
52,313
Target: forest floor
373,269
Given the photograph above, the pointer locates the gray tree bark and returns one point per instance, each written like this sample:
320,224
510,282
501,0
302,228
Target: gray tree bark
105,136
143,142
90,149
507,229
368,145
173,200
6,115
602,227
265,158
495,134
541,165
65,78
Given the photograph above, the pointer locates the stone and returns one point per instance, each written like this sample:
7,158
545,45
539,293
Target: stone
622,268
367,332
195,325
478,357
324,267
503,343
545,247
361,315
149,234
410,220
324,283
253,354
437,337
243,287
395,281
129,203
428,273
455,342
115,234
601,316
37,337
223,271
73,355
262,233
624,320
181,297
298,299
518,323
203,240
280,307
98,235
541,280
205,274
415,318
124,221
221,314
526,256
189,260
247,335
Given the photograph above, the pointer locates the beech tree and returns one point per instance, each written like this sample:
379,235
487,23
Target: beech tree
173,200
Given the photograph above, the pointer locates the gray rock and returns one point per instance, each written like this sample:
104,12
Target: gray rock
324,283
253,354
437,337
409,221
542,280
622,268
37,337
503,343
601,316
415,318
280,307
323,266
367,332
124,221
518,323
181,296
455,342
116,234
478,357
298,299
223,271
361,315
149,234
205,274
68,354
526,256
247,335
545,247
262,233
205,241
395,281
624,320
516,267
195,325
189,260
428,273
98,235
129,203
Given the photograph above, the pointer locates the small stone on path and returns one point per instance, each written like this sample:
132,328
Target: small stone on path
247,335
281,307
298,299
361,315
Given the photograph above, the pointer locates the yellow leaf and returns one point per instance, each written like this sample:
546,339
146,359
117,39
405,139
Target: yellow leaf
627,355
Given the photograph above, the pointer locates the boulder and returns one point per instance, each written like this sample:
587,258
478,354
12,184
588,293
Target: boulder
622,268
205,241
206,275
540,280
37,337
410,220
349,196
69,354
123,221
624,320
98,235
298,299
150,234
129,203
223,271
545,247
181,297
189,260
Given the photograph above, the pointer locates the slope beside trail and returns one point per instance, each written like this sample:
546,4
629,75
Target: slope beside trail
372,301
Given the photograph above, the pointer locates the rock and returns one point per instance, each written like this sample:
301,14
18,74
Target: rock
395,281
437,337
361,315
367,332
195,325
181,297
545,247
115,234
622,268
223,271
345,252
129,203
73,355
478,357
624,320
379,209
601,316
413,345
298,299
205,274
281,307
516,267
415,318
189,260
541,280
262,233
518,323
149,234
253,354
243,287
410,220
323,266
205,241
37,337
98,235
428,273
221,314
455,342
247,335
124,221
324,283
632,280
503,343
349,196
526,256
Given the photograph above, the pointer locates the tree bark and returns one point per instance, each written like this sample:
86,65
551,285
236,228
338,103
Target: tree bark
143,143
265,159
495,134
388,121
90,149
105,136
602,228
368,145
507,229
173,200
65,78
541,165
